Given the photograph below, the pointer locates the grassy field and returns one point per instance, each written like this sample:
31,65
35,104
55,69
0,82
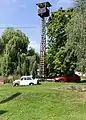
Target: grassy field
42,102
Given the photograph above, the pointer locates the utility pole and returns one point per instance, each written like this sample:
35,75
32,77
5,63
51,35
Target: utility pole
43,12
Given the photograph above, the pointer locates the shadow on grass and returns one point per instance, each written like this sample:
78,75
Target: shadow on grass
10,98
2,112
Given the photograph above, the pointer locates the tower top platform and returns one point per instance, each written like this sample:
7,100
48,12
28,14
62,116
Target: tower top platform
44,4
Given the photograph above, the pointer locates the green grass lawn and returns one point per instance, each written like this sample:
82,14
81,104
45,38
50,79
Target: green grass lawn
42,102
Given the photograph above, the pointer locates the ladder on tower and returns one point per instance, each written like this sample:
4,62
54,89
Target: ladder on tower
43,12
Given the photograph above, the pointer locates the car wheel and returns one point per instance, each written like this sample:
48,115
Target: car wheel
31,84
56,80
16,84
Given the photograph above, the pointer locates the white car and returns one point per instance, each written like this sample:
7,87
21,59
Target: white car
25,80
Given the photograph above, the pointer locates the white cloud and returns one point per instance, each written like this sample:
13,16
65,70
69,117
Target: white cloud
35,45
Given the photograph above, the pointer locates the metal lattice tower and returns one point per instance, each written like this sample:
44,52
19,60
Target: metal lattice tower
43,12
42,48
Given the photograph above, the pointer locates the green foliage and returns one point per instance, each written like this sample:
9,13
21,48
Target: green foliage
34,65
56,27
31,52
15,43
23,64
15,57
65,61
59,55
1,46
76,32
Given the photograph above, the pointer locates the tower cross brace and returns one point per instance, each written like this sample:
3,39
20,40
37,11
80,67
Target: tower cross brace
43,12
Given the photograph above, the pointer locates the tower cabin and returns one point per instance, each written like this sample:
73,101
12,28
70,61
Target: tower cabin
43,10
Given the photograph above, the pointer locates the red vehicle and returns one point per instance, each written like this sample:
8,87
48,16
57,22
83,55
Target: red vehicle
73,78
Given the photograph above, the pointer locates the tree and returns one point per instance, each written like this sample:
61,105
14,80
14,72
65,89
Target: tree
15,43
76,32
65,61
23,64
34,64
15,58
1,46
31,51
57,40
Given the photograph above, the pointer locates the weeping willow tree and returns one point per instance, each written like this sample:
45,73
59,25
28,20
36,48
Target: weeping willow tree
34,65
15,58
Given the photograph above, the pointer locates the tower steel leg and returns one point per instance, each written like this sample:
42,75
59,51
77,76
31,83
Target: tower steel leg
42,48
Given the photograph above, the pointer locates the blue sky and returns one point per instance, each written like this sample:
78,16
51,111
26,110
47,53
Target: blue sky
24,13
